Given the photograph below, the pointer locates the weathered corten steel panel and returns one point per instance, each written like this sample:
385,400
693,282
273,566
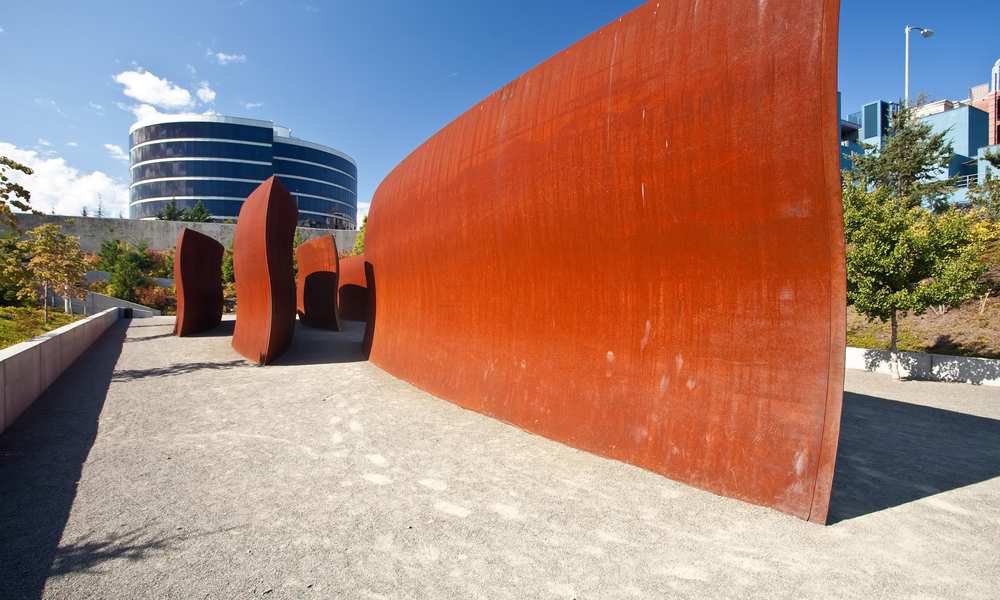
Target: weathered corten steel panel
636,248
265,282
316,297
353,289
198,277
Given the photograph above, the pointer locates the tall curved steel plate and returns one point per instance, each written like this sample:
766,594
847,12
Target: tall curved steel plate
316,293
353,288
198,275
636,248
265,282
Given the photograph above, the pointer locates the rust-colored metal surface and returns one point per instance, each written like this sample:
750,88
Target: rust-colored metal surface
265,282
316,298
636,248
198,277
353,300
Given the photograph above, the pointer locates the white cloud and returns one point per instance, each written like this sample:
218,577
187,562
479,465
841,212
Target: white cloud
116,152
210,112
44,142
205,93
96,106
150,89
225,59
311,8
251,105
1,29
71,144
144,111
192,69
59,187
363,208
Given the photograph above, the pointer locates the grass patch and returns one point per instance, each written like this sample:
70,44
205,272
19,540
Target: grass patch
18,324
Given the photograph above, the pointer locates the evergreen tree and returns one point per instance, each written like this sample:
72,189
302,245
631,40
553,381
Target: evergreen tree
171,213
198,214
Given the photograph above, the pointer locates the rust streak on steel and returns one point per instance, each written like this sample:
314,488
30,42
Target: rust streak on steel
636,248
316,299
353,300
198,277
265,282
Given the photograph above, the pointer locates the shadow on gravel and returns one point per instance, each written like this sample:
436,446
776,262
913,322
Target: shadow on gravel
311,346
225,329
41,459
892,453
178,369
85,556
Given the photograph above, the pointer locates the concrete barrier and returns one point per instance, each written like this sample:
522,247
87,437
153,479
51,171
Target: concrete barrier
929,367
29,368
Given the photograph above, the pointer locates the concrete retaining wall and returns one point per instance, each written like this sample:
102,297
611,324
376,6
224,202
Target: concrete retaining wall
930,367
29,368
159,235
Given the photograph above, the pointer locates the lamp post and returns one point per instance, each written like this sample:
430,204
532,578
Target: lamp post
924,32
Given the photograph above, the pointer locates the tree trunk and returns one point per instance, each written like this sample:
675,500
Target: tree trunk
893,354
45,300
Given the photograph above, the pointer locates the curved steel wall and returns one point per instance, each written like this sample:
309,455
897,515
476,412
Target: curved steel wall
221,160
637,248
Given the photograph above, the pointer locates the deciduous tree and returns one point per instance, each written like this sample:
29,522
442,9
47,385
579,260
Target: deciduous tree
21,199
56,261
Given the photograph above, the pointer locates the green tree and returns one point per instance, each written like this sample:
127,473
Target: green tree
171,213
21,197
129,267
56,262
198,214
910,161
228,273
15,276
986,195
903,259
359,243
296,242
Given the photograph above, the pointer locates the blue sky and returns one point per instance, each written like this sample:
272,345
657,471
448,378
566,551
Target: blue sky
373,79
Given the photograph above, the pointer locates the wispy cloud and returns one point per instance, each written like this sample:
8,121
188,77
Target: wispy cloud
44,142
150,89
71,144
225,59
51,104
252,105
311,8
1,29
96,106
116,152
63,188
205,93
191,69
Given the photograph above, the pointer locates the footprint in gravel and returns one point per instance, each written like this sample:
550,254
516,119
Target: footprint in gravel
377,459
434,484
377,478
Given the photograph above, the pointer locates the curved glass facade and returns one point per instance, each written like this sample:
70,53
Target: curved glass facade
220,160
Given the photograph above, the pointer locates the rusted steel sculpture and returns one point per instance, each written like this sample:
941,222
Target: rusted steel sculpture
198,277
636,248
265,282
353,300
316,299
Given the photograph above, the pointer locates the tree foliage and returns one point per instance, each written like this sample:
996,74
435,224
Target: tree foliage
57,262
128,267
21,199
198,214
910,162
986,195
228,273
359,243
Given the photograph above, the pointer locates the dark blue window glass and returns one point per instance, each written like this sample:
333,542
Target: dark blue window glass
320,189
201,149
228,209
286,167
166,189
316,156
199,168
225,131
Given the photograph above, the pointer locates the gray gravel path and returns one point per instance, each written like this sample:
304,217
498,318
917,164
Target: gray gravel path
159,467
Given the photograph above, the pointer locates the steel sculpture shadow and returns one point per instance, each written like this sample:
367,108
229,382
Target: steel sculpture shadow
198,277
353,292
316,295
627,250
265,281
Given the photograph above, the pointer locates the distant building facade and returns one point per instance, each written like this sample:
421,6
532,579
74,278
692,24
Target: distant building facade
971,127
220,160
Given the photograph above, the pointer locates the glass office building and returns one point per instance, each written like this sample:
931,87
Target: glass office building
221,160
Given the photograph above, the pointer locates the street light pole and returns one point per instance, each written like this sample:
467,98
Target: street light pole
924,32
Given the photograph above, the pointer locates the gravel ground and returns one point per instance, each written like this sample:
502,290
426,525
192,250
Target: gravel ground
158,467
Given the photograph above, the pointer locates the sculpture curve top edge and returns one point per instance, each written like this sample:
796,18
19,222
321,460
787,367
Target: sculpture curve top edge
636,248
262,265
198,276
317,289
